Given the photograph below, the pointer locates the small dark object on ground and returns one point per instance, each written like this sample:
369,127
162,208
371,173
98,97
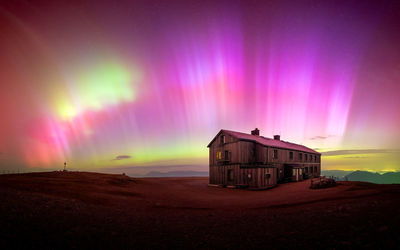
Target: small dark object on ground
322,182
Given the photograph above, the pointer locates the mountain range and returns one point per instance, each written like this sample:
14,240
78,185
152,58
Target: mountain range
386,178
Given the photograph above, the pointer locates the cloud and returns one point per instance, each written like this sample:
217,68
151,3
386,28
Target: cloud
360,151
354,157
319,137
121,157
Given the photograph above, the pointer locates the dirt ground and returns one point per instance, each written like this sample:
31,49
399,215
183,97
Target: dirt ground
98,211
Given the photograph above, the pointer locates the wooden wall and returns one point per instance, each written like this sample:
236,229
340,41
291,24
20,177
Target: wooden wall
258,178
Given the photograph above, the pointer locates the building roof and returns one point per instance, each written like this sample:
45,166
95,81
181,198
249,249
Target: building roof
266,141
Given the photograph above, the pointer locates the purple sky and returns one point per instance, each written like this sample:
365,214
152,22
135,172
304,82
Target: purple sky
104,84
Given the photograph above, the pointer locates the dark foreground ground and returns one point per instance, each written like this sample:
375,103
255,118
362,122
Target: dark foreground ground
89,210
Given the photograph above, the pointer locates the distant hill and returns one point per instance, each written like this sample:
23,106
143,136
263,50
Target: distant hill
366,176
386,178
336,173
176,174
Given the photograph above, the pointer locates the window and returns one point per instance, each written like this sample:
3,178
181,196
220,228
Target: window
306,170
294,172
306,156
275,153
267,176
300,156
219,155
315,169
222,139
226,156
291,155
311,170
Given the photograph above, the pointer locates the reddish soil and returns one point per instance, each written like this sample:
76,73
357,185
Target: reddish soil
91,210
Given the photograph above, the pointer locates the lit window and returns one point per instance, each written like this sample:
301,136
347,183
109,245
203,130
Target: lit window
219,155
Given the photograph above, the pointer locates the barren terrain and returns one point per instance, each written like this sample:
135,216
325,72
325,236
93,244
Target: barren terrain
82,210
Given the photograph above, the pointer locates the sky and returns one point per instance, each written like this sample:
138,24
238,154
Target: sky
125,84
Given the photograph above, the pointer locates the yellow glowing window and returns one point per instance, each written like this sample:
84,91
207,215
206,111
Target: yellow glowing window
219,155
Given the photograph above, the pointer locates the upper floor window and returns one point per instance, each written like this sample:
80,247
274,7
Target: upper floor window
306,155
219,155
275,153
300,156
226,156
291,155
222,138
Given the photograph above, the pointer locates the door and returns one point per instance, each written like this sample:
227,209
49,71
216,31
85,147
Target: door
230,177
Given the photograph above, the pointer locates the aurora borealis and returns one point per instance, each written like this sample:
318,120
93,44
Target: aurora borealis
104,84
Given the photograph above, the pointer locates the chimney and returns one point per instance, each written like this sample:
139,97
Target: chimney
277,137
255,132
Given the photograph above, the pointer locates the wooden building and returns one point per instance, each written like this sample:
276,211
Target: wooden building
253,161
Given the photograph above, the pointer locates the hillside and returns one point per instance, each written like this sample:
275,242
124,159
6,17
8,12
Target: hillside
78,209
386,178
